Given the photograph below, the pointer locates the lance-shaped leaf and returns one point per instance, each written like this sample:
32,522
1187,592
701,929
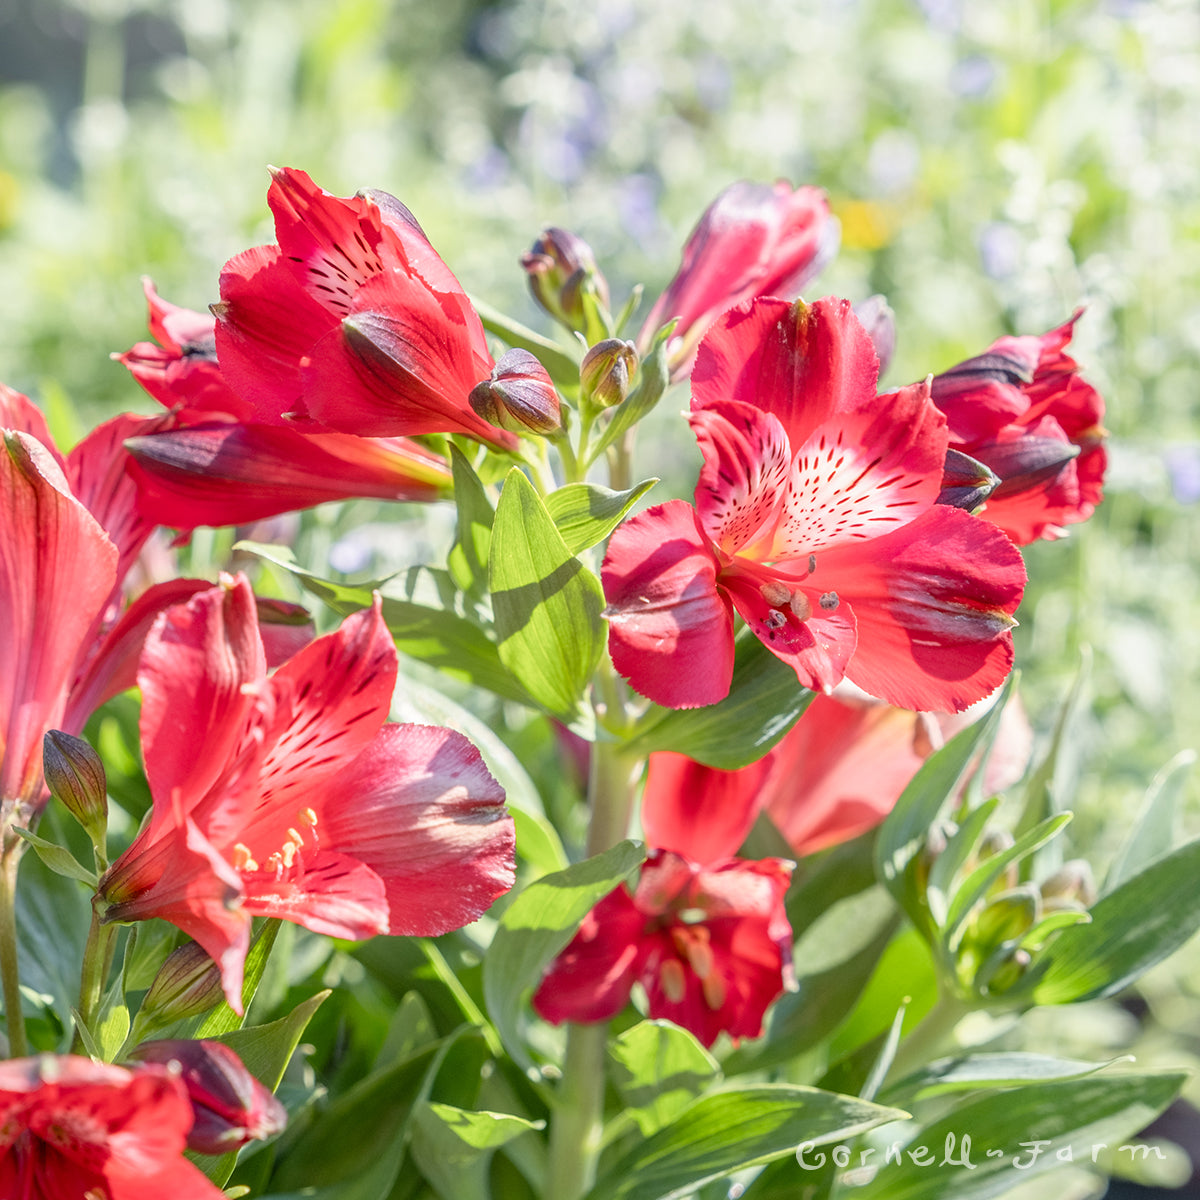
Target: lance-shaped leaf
536,926
586,513
468,557
658,1069
563,369
1153,831
454,1146
764,702
1133,927
1014,1135
730,1130
968,1073
547,605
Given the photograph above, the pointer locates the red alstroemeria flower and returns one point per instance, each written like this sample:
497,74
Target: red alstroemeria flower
215,464
352,322
753,240
816,520
710,944
834,775
71,1128
288,796
1022,410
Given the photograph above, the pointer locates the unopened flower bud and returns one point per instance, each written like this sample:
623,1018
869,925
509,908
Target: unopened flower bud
75,775
1008,916
1072,886
607,371
966,482
880,323
1028,462
562,270
519,396
187,984
230,1106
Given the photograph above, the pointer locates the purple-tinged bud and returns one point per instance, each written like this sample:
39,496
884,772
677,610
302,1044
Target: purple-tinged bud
607,371
966,482
230,1106
562,270
75,775
519,396
187,984
880,323
1027,462
1072,886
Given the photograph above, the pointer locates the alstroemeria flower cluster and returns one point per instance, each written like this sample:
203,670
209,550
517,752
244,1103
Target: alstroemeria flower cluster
289,796
816,521
1022,409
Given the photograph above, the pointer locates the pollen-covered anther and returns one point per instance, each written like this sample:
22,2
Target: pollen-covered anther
800,605
776,594
243,860
672,980
714,991
829,601
775,619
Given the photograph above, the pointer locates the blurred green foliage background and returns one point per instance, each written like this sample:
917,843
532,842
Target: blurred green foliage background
993,165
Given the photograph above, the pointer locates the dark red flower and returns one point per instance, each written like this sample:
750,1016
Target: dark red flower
753,240
710,944
229,1105
1022,410
72,1129
288,796
352,322
816,521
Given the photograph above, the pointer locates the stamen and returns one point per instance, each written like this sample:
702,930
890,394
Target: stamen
800,605
775,619
673,980
829,600
294,837
700,955
812,563
714,991
243,860
776,594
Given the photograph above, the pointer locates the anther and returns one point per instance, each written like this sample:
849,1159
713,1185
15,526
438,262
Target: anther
673,980
829,600
812,563
775,619
775,593
243,860
800,605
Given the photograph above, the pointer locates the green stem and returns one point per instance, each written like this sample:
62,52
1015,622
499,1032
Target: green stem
928,1037
578,1125
10,979
97,963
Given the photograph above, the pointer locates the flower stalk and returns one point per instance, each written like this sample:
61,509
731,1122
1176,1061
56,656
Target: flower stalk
10,980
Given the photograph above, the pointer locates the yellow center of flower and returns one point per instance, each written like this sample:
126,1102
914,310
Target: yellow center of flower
289,855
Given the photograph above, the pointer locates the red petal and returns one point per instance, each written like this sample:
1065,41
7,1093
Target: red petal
233,474
19,414
200,667
804,363
267,324
419,807
57,570
670,630
698,811
591,978
933,603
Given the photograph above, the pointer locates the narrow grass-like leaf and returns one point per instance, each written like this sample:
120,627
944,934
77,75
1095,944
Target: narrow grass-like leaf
975,1071
729,1130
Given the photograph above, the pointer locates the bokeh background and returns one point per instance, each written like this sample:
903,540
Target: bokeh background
994,166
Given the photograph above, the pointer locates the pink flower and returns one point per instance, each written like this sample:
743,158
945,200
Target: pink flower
71,1128
1021,409
753,240
352,322
816,521
289,796
710,944
215,463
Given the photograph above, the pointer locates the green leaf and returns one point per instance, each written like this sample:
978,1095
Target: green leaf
730,1130
58,858
547,605
1133,927
979,880
1153,832
764,702
951,860
974,1071
223,1019
453,1146
536,926
1072,1116
586,513
560,366
410,1028
538,842
903,833
834,958
658,1069
467,560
